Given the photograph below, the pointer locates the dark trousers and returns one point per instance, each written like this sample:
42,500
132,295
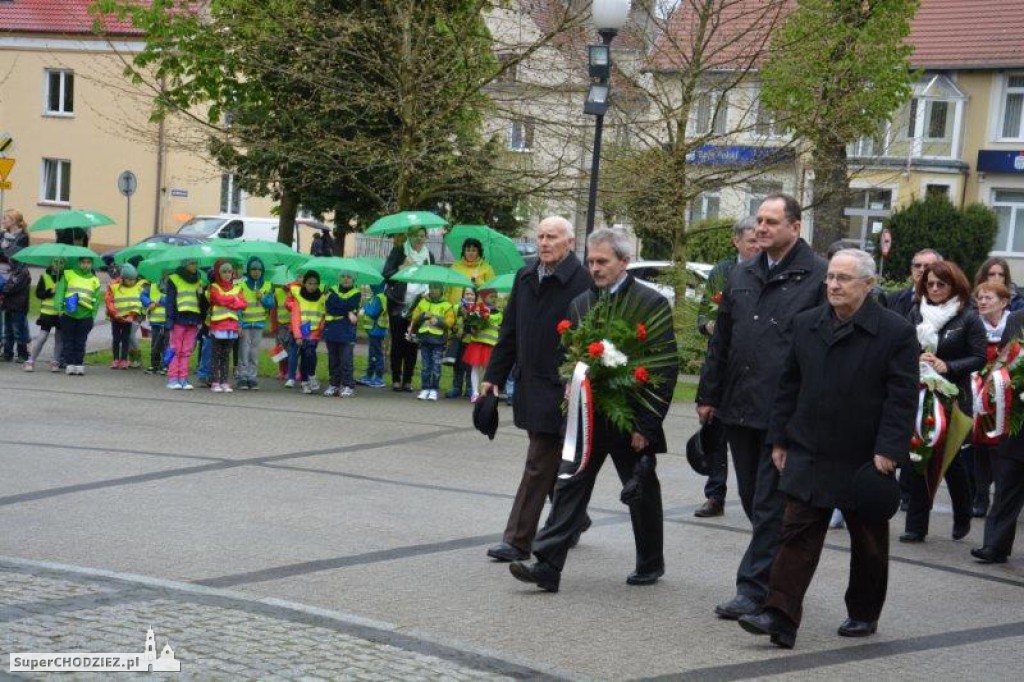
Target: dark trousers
758,483
158,346
572,495
221,359
1001,524
803,536
982,474
543,457
339,364
15,333
307,359
718,460
403,351
75,332
920,508
121,333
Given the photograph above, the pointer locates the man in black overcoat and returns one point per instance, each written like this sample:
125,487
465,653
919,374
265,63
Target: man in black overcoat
848,398
528,349
741,373
608,253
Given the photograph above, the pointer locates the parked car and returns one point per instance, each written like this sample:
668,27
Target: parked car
528,250
173,239
652,273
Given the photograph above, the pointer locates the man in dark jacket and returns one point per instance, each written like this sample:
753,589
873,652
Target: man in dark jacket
848,398
744,238
902,301
745,360
528,350
14,307
609,251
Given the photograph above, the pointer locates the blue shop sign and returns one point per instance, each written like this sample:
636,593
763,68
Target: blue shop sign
738,155
1000,161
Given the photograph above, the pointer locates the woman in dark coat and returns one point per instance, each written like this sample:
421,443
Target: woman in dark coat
953,342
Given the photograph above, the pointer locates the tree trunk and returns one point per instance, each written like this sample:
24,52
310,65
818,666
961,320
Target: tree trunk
831,194
289,209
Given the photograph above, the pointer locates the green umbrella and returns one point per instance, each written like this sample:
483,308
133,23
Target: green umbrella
141,250
43,254
432,274
68,219
205,254
499,250
502,283
400,223
280,275
271,253
330,268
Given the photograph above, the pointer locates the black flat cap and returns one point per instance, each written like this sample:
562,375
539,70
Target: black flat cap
485,415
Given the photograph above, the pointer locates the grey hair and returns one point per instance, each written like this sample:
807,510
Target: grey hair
865,263
616,237
933,252
561,222
744,225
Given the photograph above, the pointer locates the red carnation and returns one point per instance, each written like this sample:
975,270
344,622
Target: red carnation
916,442
641,331
717,298
596,349
929,420
563,327
641,375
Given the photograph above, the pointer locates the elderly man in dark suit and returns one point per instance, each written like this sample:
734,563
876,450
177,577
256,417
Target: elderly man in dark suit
528,350
847,398
608,253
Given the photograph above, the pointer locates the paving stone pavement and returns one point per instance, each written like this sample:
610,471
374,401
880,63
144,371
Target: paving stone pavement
281,536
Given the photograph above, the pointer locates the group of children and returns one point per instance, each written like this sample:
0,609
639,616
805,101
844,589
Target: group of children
227,312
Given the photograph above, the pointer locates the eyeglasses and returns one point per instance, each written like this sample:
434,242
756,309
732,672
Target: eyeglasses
842,278
936,284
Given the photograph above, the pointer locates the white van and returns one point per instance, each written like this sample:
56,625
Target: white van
251,229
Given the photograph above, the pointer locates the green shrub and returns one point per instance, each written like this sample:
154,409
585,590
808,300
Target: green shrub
710,241
963,236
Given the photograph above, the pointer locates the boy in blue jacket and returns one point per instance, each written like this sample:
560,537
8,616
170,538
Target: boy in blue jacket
342,309
375,322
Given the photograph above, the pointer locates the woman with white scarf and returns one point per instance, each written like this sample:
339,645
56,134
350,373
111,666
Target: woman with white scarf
953,342
408,251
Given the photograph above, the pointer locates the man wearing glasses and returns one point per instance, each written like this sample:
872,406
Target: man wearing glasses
902,302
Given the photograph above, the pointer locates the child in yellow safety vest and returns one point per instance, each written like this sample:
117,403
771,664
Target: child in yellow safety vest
46,292
127,298
483,324
78,297
259,299
307,306
184,288
375,322
226,303
159,328
432,320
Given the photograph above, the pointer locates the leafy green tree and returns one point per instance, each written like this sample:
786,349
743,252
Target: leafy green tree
964,236
836,71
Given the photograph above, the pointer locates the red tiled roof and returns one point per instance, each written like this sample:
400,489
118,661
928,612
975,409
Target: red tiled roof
736,35
965,34
57,16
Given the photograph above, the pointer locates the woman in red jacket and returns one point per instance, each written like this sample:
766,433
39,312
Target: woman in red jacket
226,300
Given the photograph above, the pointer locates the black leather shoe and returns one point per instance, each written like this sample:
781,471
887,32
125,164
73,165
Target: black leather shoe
857,628
987,555
979,511
710,508
773,623
506,552
739,605
960,530
912,537
576,538
644,578
904,505
543,575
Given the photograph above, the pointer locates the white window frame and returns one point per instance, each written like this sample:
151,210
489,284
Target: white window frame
698,208
710,113
759,189
1003,249
520,135
1005,91
66,76
62,186
233,191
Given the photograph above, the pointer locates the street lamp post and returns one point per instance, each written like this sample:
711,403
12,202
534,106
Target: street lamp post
609,16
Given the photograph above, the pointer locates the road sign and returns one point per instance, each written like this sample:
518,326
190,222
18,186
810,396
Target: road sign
6,184
127,183
5,168
885,242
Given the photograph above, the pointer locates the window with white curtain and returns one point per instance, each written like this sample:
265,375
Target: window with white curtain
60,92
1013,107
1009,208
56,187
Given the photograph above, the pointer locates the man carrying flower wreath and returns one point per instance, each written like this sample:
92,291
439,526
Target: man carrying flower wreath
632,378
